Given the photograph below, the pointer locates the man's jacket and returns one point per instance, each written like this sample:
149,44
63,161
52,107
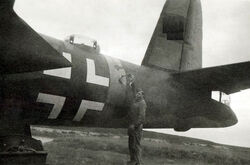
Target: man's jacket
137,112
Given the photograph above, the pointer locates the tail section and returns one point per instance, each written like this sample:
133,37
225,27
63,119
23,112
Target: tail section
176,44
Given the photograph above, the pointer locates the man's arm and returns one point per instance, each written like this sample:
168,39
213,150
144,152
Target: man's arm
133,88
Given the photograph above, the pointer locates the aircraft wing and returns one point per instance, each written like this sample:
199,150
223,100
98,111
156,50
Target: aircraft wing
226,78
21,48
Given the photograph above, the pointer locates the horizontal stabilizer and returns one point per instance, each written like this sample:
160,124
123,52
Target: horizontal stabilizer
21,48
226,78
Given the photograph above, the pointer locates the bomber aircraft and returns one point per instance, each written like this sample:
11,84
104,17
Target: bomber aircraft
47,81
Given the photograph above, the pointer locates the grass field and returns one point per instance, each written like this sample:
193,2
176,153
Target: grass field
101,146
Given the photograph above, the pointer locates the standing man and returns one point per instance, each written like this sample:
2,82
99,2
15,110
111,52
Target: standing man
137,111
137,118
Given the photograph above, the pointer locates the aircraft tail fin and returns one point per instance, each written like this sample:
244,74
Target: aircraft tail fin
21,48
176,44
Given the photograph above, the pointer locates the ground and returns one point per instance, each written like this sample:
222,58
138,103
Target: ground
102,146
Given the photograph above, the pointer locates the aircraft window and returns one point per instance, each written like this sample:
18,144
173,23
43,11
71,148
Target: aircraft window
221,97
82,40
71,39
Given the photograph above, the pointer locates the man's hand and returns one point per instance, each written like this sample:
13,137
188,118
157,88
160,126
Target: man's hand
130,79
127,79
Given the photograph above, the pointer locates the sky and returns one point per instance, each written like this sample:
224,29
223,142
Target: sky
123,29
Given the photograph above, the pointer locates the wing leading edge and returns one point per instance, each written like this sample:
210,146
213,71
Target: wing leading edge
226,78
21,48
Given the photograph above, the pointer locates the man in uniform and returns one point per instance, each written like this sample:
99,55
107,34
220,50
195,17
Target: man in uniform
137,118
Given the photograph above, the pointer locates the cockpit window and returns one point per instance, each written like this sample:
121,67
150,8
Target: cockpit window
221,97
71,39
82,40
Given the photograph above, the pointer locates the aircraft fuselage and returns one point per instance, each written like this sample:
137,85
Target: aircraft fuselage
89,92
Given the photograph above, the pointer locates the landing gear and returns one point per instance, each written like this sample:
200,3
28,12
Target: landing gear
17,147
21,150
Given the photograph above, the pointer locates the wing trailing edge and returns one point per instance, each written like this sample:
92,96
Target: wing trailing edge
21,48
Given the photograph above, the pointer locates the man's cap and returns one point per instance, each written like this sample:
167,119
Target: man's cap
139,90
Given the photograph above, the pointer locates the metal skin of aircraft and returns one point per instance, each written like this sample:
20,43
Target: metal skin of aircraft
51,82
90,93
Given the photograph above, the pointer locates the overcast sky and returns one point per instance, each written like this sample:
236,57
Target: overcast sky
123,29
